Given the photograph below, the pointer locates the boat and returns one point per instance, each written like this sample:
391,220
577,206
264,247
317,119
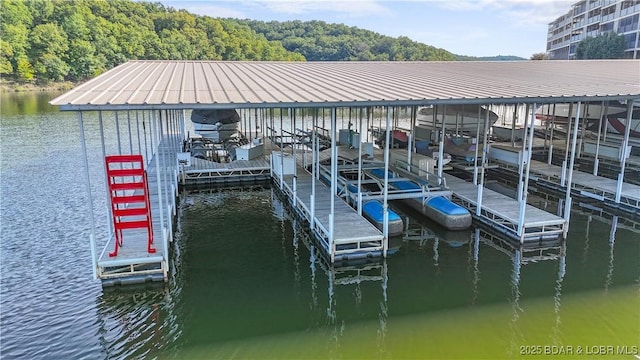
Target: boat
216,125
461,147
438,208
456,117
398,138
422,148
616,123
590,111
371,210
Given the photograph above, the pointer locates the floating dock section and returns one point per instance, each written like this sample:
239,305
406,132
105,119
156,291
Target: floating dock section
502,213
352,236
624,198
159,138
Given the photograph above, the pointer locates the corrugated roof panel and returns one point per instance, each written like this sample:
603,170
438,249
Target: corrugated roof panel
186,83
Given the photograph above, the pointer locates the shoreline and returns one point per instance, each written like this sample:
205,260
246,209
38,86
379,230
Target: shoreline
9,86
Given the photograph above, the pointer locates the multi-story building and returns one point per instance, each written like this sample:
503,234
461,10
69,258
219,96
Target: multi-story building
589,18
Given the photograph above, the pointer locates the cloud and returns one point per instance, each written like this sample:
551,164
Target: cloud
344,8
277,8
519,12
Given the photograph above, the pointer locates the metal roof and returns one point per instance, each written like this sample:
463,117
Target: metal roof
239,84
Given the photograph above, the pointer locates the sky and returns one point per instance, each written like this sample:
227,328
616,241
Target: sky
463,27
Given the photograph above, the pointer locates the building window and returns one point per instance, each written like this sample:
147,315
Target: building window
631,40
628,24
606,27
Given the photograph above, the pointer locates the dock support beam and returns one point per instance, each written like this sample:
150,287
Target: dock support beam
385,205
567,203
92,236
526,156
334,184
596,163
624,153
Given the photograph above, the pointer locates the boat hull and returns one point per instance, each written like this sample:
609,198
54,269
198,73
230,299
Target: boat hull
456,117
373,211
617,123
216,133
450,221
560,112
439,209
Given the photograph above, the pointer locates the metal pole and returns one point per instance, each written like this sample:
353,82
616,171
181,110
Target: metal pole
482,162
129,127
563,175
526,156
292,119
138,133
567,209
475,167
626,149
152,133
553,123
106,180
334,170
385,205
314,168
92,236
603,112
441,148
513,125
361,110
521,161
118,133
165,252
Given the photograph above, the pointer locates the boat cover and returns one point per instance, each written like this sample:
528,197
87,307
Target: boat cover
214,116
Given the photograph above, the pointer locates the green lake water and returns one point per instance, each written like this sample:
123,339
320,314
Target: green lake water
246,281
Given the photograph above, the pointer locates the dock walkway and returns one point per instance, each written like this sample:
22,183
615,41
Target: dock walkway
353,235
583,184
210,172
589,185
501,212
134,264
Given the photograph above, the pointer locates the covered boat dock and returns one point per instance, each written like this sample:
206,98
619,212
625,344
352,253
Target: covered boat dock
162,91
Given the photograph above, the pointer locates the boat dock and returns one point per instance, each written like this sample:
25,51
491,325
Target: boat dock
134,264
584,184
352,235
206,172
588,185
502,213
150,101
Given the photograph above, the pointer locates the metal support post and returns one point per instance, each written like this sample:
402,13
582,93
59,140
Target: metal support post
92,235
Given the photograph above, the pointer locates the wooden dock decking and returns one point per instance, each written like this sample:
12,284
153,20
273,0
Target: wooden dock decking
502,213
354,236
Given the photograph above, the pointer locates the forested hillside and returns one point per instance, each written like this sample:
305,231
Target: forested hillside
320,41
45,40
75,40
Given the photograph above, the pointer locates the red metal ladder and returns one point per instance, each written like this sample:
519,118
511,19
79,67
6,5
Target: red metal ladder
129,194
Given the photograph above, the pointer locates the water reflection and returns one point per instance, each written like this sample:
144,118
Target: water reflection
279,289
615,223
350,274
134,321
522,255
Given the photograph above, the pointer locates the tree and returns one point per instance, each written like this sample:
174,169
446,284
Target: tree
6,54
24,70
539,56
604,46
